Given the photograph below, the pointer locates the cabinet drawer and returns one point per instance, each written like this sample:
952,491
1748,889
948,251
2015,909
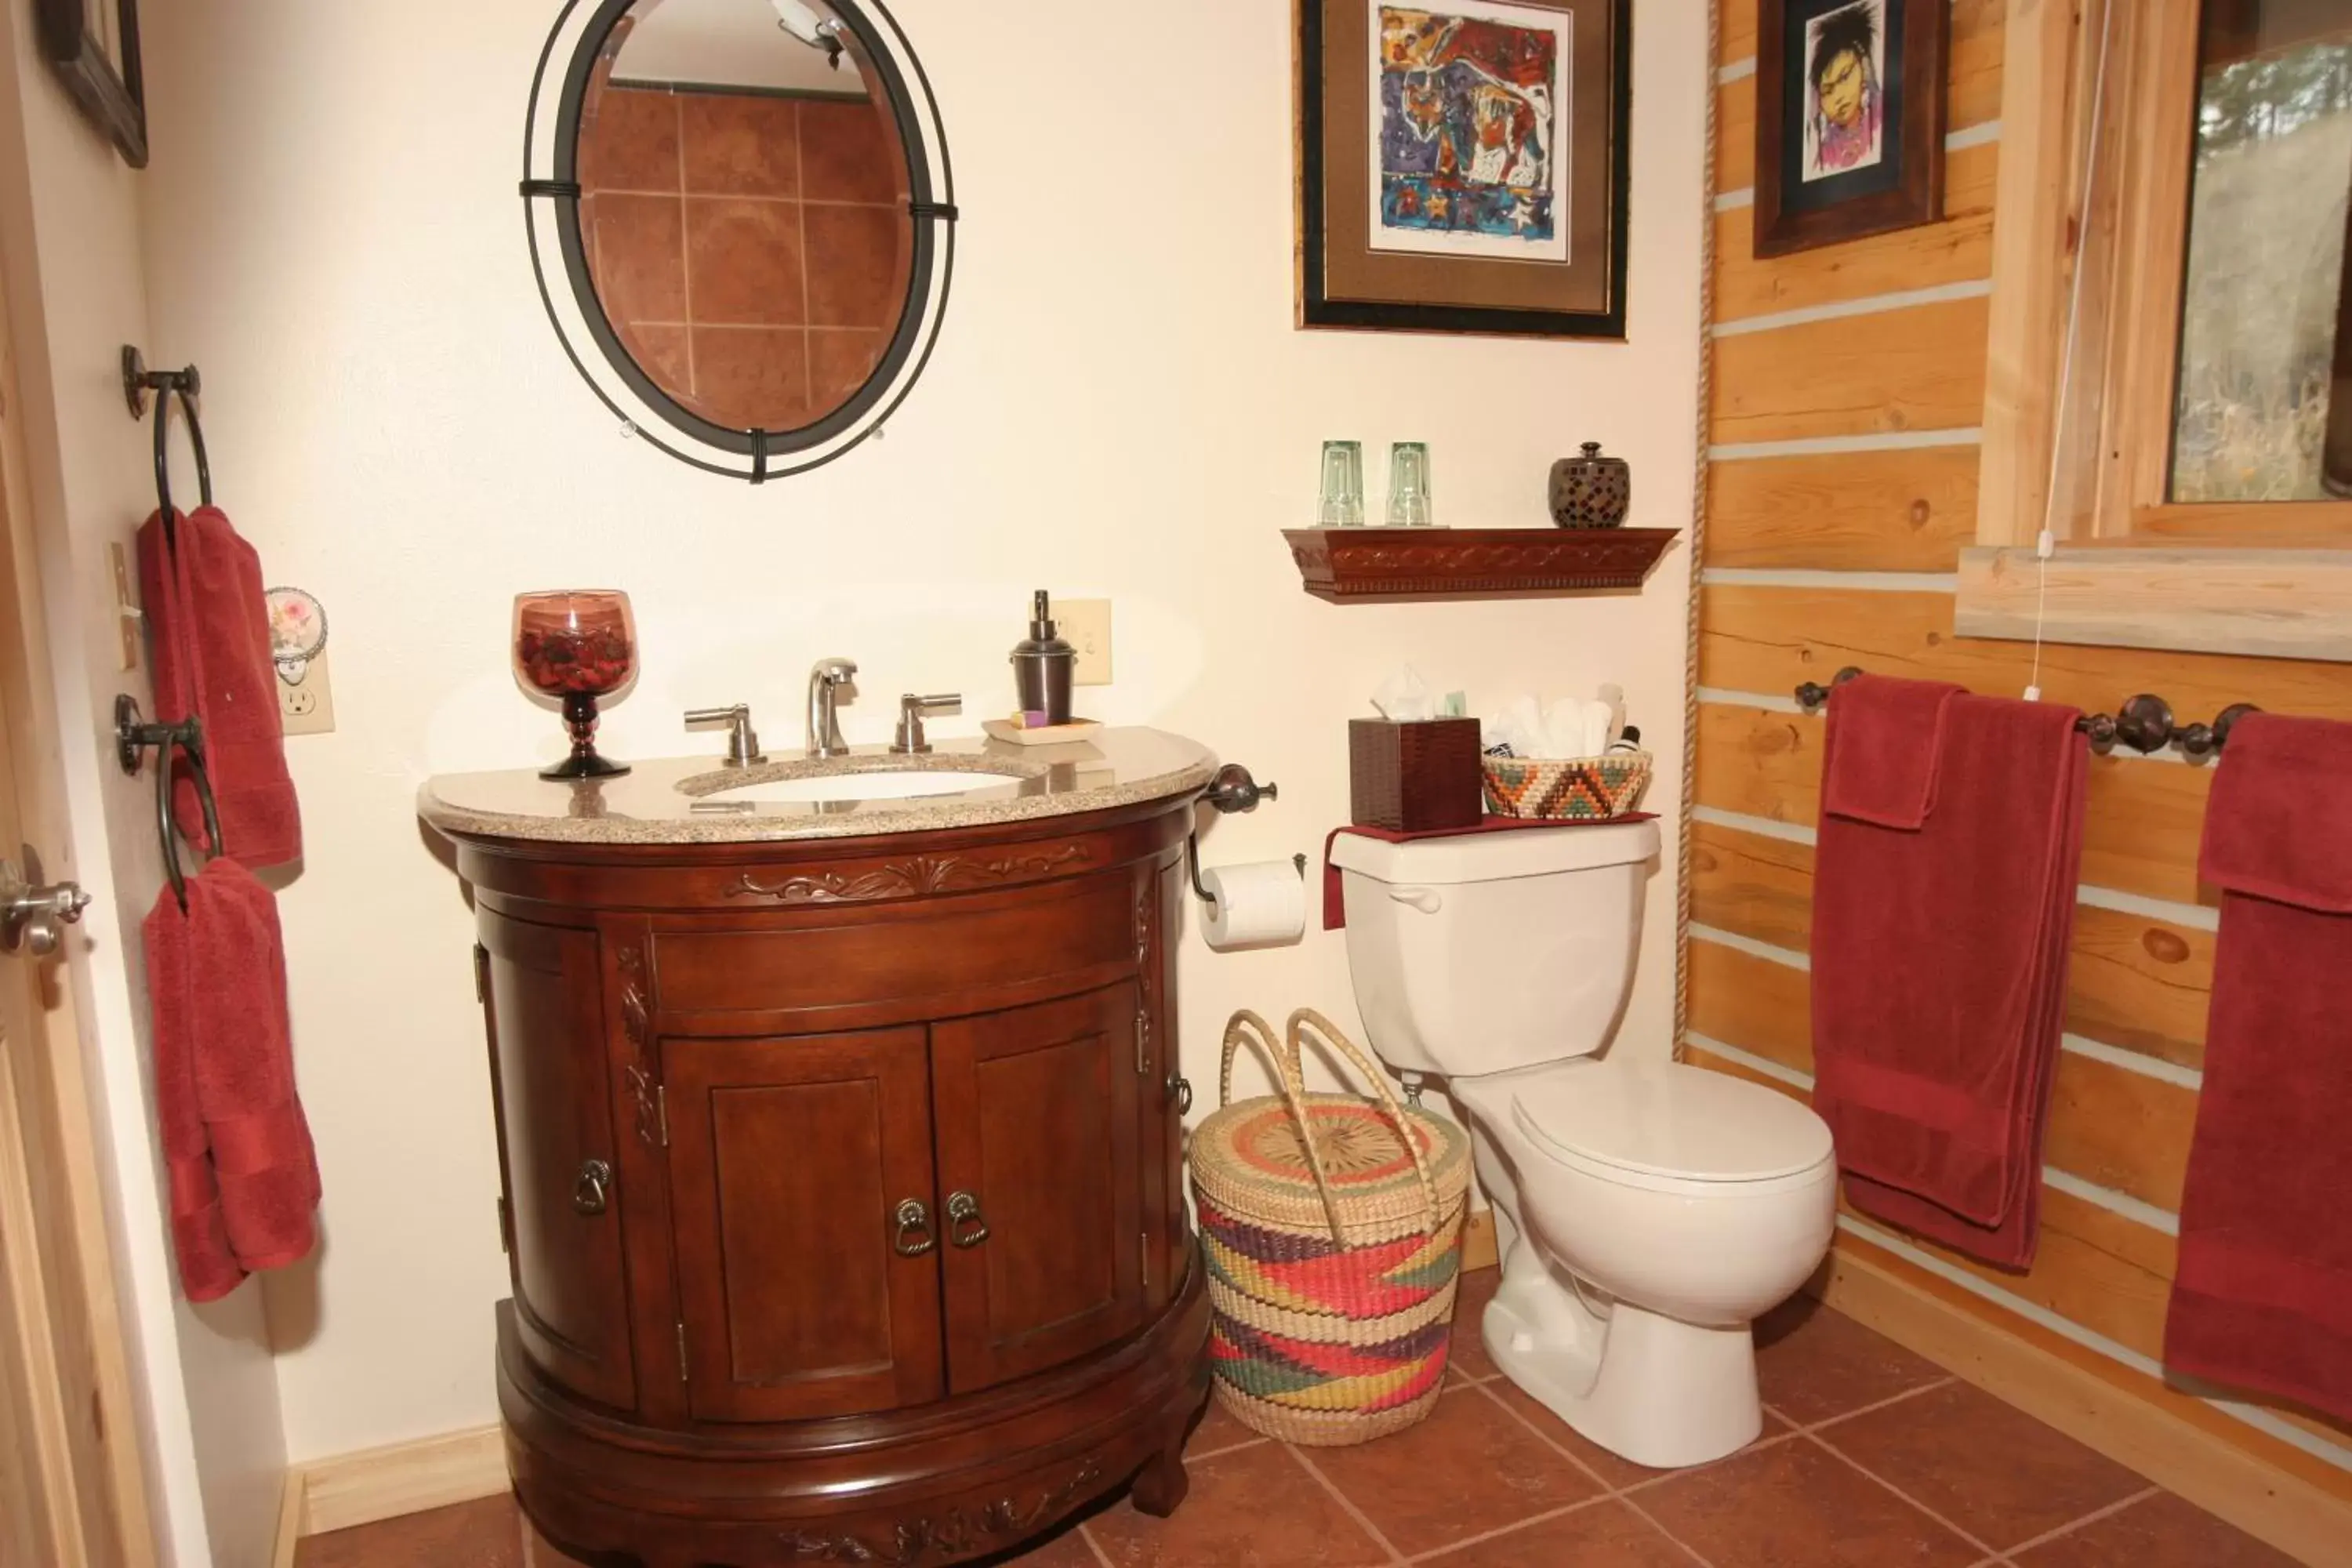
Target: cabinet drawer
906,952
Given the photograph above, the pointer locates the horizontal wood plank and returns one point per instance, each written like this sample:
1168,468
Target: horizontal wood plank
2267,603
1734,145
1918,369
1911,511
2109,1126
2132,982
1958,250
1770,640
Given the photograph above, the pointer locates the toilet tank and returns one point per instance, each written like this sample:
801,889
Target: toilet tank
1490,952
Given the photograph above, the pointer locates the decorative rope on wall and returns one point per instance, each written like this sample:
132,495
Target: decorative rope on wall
1697,538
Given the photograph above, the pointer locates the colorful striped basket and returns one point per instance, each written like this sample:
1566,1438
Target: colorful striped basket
1578,789
1332,1258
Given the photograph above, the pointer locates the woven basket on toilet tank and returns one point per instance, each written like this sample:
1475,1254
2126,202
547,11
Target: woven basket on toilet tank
1332,1259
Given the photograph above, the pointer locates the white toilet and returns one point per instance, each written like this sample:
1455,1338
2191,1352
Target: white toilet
1647,1213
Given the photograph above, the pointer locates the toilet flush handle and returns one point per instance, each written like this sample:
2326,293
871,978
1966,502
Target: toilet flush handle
1425,899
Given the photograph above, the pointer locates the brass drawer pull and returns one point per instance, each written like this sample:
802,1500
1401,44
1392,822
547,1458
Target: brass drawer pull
591,1194
963,1209
914,1237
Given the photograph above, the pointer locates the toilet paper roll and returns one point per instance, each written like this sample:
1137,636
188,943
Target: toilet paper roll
1258,905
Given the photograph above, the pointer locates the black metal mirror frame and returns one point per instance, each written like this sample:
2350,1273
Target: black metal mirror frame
878,44
115,101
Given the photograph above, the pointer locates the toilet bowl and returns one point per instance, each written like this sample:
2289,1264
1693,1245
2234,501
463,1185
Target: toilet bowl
1647,1213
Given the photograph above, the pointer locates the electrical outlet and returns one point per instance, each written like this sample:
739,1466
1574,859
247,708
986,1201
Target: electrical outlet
308,707
1085,625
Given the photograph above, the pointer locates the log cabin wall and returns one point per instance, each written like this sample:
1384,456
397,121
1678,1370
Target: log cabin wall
1845,413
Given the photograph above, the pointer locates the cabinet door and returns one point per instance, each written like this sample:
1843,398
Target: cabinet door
1037,1132
541,998
801,1292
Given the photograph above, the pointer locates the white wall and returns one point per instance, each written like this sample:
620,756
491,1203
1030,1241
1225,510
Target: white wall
1119,407
76,291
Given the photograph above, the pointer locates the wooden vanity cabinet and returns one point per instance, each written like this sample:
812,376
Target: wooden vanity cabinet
843,1187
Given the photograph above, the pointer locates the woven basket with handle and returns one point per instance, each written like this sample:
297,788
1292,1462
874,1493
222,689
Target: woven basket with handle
1333,1253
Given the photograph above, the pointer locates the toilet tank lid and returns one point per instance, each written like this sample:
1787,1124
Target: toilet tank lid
1669,1120
1496,857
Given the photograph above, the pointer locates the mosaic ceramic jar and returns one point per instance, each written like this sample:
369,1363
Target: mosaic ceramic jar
1592,492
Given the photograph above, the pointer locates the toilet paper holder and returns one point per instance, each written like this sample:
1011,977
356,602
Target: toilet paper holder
1232,790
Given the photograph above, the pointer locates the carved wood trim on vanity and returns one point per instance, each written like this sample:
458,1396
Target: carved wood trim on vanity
848,1032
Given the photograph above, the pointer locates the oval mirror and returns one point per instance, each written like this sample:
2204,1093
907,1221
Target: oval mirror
741,216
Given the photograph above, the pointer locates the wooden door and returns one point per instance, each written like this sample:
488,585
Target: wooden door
1038,1134
67,1496
808,1287
557,1154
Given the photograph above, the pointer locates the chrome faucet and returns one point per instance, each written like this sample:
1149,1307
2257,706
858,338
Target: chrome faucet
825,678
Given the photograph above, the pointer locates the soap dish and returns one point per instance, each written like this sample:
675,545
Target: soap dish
1010,730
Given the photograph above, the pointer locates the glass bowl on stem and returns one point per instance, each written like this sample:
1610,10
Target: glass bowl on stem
577,645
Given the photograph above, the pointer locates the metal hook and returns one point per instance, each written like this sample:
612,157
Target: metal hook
133,736
188,384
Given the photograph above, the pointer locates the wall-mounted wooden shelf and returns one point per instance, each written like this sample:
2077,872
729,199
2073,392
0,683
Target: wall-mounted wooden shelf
1385,565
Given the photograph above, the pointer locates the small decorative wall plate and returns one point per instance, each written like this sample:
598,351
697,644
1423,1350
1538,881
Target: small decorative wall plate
297,632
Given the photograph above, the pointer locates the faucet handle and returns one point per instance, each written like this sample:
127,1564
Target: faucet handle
742,740
911,741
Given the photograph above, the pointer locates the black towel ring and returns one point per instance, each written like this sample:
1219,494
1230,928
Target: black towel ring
138,381
133,736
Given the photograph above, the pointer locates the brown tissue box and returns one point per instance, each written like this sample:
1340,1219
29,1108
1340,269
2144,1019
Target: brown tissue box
1415,776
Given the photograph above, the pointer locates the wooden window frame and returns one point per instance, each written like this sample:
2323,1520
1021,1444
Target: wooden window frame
2131,568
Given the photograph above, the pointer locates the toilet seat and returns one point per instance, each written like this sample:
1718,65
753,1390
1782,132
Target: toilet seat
1669,1128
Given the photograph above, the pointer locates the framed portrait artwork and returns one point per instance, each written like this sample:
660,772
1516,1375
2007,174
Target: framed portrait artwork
1463,165
1850,105
93,46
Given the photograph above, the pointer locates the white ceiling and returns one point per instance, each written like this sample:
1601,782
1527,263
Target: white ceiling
727,43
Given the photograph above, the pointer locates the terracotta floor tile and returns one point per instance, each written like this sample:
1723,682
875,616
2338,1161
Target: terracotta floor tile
538,1554
1068,1549
1254,1508
1616,1470
1794,1505
1987,1466
1814,1363
2162,1533
1468,1353
484,1534
1604,1535
1470,1468
1219,1429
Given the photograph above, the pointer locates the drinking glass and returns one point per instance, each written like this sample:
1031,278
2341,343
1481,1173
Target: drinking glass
1342,505
1409,502
578,645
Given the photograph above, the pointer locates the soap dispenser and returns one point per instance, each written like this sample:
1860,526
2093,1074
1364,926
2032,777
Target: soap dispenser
1043,666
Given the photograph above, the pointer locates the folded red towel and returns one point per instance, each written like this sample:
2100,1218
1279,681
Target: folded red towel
208,1268
1890,749
209,621
244,1176
1939,967
1335,897
2262,1296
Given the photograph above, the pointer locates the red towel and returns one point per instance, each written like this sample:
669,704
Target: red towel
1939,958
1335,898
2262,1297
244,1174
1890,749
209,621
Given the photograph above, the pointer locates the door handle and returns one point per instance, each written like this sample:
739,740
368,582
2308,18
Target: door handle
592,1193
31,917
963,1210
914,1236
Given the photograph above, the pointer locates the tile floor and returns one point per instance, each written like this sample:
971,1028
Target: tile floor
1871,1458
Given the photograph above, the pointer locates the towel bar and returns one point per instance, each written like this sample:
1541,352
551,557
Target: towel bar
2145,723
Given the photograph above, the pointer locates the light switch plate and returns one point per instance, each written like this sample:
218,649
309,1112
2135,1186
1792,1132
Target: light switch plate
309,708
126,604
1085,625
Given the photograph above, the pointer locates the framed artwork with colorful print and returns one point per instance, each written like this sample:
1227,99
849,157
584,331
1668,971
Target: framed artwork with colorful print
1850,105
1463,165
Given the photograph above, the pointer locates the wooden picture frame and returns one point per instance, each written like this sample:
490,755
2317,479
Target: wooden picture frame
1872,162
108,84
1530,237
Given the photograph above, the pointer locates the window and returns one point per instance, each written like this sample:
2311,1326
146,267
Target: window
2170,330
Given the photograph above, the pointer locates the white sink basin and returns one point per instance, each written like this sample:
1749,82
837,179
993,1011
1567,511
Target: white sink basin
881,785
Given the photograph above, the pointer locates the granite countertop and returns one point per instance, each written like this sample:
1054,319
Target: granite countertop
695,800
